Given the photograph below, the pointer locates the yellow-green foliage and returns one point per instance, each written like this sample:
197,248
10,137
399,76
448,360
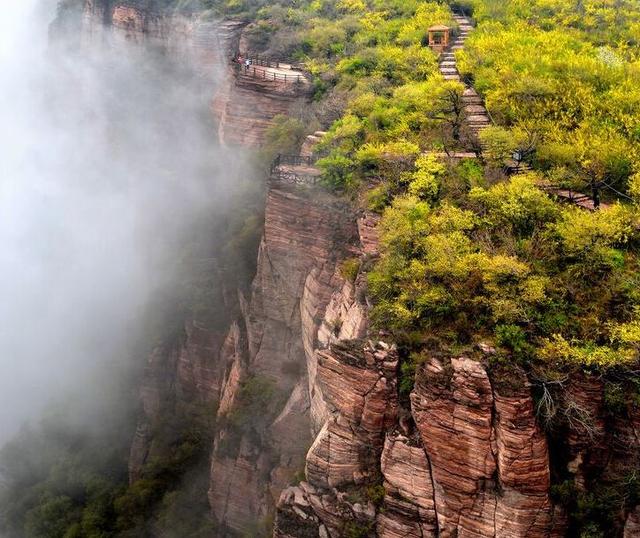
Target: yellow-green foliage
349,269
518,205
576,90
425,181
583,233
460,258
510,260
375,155
634,187
558,350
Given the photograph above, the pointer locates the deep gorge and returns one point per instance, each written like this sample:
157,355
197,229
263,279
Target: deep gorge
271,401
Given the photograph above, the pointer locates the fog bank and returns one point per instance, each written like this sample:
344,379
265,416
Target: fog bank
108,164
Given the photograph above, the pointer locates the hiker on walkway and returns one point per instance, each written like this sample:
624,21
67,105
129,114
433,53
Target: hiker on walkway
247,63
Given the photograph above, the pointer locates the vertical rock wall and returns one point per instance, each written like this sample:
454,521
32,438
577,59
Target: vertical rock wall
466,458
489,459
306,233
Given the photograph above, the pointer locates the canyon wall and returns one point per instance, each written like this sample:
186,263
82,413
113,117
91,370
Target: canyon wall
310,420
199,367
244,103
194,38
464,457
306,234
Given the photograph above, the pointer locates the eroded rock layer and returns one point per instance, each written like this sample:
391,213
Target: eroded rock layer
465,457
246,105
489,459
408,510
306,235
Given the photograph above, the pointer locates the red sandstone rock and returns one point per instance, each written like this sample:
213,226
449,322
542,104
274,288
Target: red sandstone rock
328,319
308,146
304,235
305,511
369,235
236,495
408,509
188,372
632,526
359,387
246,105
489,459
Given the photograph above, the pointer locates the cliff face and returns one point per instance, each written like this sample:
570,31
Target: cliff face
489,459
304,234
203,43
465,457
302,386
246,104
207,364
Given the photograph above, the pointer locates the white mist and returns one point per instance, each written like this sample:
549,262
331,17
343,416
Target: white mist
106,161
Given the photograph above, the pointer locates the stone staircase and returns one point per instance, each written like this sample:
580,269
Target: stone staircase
477,117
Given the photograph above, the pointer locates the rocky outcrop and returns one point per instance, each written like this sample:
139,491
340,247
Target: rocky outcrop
359,386
368,231
305,511
327,318
246,105
489,459
310,143
477,463
176,376
408,510
632,526
306,235
206,45
306,232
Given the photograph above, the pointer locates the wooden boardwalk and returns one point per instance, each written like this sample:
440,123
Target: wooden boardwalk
295,169
476,115
272,71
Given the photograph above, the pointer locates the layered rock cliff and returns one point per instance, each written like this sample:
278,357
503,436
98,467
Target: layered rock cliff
247,103
203,42
308,409
305,234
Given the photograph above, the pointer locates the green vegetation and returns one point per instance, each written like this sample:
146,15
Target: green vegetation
354,529
257,404
596,511
350,268
69,480
566,75
469,254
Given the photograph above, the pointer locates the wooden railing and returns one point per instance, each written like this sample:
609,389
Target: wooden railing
293,160
282,169
259,59
264,74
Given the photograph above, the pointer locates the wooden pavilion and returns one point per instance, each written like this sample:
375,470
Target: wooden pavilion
439,37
